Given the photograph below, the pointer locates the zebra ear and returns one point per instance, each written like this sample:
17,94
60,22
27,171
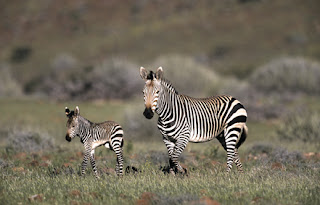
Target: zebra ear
143,73
159,73
67,111
77,111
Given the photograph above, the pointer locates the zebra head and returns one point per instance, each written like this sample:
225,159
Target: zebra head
151,90
72,123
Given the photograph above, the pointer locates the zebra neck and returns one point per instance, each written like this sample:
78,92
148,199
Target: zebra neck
84,129
168,86
166,106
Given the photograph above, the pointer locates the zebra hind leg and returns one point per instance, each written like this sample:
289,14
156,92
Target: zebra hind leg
119,165
236,158
241,140
234,138
231,139
237,161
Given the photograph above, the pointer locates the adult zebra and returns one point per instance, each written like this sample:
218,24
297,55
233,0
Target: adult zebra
93,135
183,119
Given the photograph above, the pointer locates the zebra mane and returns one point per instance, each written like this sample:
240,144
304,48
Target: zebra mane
167,84
84,120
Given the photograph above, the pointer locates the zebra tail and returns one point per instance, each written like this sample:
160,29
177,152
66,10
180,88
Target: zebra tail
243,136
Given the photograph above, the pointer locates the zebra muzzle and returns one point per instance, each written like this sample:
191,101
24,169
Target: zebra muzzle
148,113
68,138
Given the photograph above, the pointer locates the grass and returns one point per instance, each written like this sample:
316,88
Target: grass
261,184
52,176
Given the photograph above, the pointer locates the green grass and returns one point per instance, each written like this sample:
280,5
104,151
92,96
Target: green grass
261,184
52,176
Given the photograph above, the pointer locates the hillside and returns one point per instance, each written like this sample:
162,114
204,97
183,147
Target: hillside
233,37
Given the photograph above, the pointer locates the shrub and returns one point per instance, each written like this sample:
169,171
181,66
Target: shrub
138,127
20,54
8,85
29,141
284,156
261,148
301,126
114,78
294,75
4,164
189,76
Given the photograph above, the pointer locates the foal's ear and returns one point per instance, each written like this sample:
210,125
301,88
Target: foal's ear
77,111
159,73
143,73
67,111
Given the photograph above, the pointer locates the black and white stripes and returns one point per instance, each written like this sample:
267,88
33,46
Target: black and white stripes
183,119
93,135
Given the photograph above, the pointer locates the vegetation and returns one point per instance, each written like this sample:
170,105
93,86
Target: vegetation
8,84
88,53
45,175
301,126
294,75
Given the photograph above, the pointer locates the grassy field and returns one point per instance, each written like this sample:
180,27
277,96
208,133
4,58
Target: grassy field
275,172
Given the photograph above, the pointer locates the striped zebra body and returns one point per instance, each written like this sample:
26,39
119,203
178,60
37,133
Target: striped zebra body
93,135
183,119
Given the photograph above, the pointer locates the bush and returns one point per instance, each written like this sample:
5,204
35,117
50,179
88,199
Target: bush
138,127
189,76
29,141
114,78
301,126
261,148
4,164
294,75
8,85
284,156
272,86
20,54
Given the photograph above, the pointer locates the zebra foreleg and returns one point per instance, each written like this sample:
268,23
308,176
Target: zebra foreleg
170,145
85,161
180,145
93,164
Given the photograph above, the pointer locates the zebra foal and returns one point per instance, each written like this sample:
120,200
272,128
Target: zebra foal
183,119
93,135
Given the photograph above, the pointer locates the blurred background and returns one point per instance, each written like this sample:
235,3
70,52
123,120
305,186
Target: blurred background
57,53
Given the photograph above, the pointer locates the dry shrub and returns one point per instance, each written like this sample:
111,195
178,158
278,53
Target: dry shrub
25,140
283,156
272,86
68,80
138,127
189,76
301,126
116,78
293,75
9,86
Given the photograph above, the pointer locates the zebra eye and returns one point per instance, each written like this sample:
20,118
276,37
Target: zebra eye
157,92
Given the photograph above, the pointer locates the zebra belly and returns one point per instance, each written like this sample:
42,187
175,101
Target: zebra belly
201,138
98,143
